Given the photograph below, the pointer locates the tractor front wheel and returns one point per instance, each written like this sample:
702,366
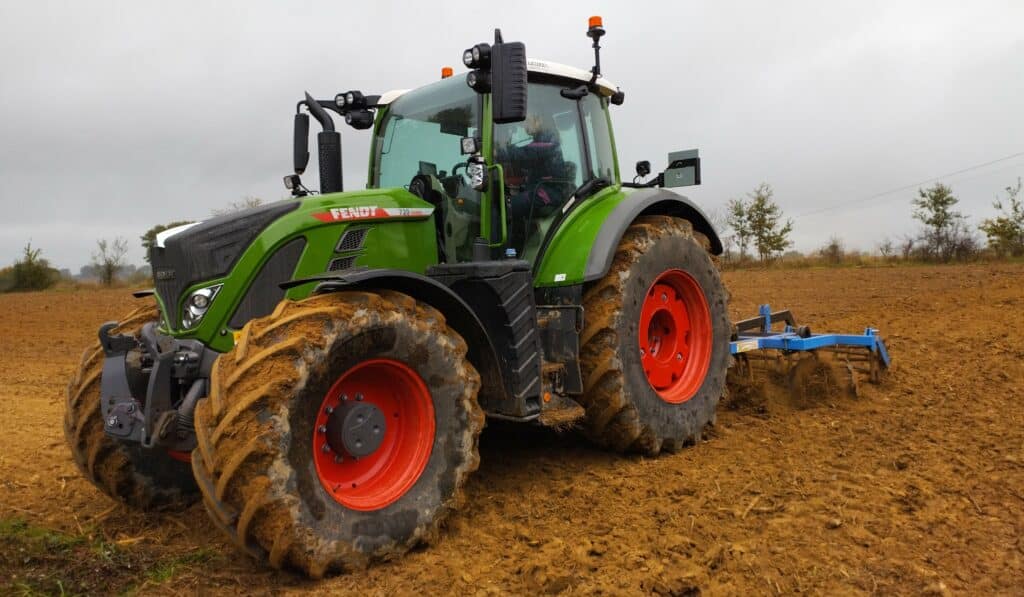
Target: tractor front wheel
655,346
340,430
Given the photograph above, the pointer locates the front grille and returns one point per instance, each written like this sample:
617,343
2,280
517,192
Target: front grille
342,263
352,240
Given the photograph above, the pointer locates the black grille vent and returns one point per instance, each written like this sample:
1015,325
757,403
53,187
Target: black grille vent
264,293
352,240
342,263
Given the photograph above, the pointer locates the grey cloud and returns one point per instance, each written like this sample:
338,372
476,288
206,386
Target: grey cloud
116,116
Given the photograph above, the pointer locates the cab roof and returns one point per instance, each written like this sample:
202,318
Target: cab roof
533,65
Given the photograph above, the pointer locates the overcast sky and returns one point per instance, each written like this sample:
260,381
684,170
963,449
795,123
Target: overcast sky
117,116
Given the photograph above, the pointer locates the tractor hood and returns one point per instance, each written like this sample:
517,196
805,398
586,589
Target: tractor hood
196,252
238,260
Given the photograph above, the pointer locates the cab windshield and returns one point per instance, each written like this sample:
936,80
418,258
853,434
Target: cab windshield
421,135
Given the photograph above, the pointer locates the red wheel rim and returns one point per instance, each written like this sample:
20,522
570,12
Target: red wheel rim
180,456
675,336
379,479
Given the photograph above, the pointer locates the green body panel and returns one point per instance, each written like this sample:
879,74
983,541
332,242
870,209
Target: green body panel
565,259
397,242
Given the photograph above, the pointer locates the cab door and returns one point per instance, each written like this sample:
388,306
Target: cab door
543,161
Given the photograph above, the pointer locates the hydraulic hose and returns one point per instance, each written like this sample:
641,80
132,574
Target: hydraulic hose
187,409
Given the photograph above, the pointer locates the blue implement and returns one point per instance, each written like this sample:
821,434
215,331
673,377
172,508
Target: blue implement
757,334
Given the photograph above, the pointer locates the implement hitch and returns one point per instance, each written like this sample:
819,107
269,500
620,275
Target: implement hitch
150,386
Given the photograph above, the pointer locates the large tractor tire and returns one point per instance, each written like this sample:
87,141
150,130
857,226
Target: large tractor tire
143,479
339,431
655,345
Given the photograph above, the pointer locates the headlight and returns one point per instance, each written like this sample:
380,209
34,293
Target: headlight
479,81
197,304
479,56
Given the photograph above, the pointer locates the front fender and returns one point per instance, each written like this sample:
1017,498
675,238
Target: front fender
458,315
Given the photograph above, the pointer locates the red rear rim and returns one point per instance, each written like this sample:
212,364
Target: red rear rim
675,336
376,480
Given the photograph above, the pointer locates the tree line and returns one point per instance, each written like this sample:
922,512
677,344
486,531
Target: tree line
755,226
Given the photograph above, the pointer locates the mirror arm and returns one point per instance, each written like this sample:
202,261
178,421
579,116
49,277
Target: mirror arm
319,113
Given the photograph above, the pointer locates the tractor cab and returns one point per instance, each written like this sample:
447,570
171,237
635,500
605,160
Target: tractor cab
435,139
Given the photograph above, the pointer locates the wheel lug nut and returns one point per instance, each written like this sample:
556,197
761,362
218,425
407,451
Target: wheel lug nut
112,421
664,297
325,449
359,397
322,429
344,397
329,410
679,356
338,459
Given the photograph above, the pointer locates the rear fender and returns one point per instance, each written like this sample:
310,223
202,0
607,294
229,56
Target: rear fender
583,248
644,202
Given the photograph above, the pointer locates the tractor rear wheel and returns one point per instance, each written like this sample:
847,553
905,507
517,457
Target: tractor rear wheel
143,479
655,346
340,430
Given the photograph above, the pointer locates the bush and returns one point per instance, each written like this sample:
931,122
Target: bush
833,252
6,279
32,272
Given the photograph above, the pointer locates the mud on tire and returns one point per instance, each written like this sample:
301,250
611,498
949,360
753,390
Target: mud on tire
142,479
255,432
623,411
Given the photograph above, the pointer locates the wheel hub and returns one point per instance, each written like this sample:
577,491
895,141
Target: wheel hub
373,434
356,428
675,336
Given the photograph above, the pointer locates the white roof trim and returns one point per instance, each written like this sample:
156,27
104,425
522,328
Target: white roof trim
161,237
533,66
390,96
571,72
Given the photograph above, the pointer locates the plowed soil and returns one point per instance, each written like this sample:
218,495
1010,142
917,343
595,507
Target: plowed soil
915,486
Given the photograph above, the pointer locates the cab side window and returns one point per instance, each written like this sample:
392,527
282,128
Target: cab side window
542,159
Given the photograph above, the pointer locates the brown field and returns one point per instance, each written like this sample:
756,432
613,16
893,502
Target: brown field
916,486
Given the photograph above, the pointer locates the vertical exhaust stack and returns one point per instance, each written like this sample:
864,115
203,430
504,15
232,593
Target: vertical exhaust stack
328,148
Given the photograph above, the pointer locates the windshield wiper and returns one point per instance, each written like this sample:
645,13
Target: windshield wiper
590,187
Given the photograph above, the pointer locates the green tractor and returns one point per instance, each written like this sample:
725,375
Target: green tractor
318,370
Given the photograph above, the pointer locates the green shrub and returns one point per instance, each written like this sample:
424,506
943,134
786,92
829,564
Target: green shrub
32,272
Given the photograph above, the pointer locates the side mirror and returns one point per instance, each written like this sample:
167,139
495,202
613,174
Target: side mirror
500,70
508,91
301,142
643,168
683,169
